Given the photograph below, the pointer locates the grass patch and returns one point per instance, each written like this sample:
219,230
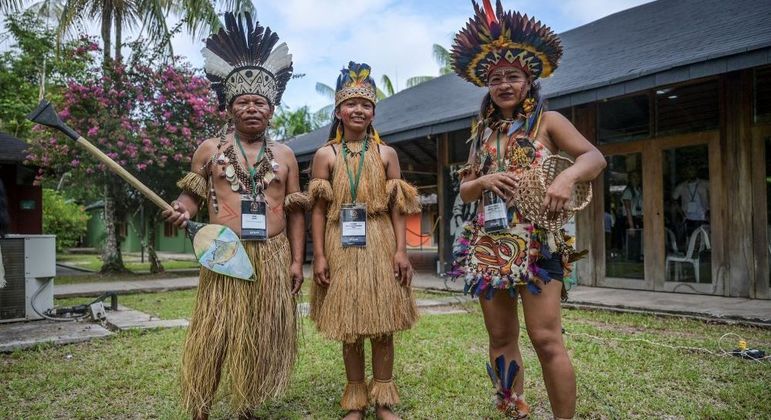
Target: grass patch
439,368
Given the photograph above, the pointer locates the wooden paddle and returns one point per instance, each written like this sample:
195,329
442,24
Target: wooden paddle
217,247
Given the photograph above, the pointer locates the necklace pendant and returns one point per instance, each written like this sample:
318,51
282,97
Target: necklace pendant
230,171
274,165
269,176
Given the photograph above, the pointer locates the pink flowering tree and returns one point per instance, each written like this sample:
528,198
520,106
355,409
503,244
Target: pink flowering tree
147,115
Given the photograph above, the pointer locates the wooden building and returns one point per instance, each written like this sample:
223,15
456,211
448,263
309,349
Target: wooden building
25,201
677,95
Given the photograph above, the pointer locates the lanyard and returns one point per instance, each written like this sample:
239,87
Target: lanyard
355,183
499,152
693,193
252,170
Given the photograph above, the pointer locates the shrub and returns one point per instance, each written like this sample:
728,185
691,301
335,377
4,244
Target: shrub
63,218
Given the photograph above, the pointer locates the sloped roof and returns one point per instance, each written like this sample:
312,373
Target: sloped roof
655,44
12,149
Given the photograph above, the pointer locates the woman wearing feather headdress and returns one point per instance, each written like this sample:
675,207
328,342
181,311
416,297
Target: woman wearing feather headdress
361,270
245,328
502,253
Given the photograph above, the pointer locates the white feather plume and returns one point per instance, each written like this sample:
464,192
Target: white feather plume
278,59
215,65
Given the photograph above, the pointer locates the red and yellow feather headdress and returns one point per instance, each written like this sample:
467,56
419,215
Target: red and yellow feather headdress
500,38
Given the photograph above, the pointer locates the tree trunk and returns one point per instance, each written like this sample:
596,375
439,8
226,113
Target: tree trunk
112,260
155,263
118,35
106,30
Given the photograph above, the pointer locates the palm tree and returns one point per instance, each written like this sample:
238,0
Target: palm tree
113,15
442,57
149,16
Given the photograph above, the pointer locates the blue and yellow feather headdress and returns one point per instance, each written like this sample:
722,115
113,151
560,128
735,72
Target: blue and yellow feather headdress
355,82
499,38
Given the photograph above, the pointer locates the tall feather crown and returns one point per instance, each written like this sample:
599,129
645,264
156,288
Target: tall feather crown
240,60
497,38
355,82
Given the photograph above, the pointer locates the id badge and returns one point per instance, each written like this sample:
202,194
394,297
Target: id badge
496,215
353,225
694,211
254,225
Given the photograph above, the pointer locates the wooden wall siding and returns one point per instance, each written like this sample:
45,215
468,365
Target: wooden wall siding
736,151
590,229
759,211
718,212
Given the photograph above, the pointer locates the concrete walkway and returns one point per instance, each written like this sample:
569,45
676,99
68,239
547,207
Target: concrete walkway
751,311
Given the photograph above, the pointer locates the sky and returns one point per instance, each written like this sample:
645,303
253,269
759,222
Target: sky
395,37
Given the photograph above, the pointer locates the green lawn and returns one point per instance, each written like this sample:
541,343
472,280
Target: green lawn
439,367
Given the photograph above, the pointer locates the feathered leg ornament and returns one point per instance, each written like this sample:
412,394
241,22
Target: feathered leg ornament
507,401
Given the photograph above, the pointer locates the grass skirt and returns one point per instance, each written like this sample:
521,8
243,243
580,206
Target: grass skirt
247,330
364,299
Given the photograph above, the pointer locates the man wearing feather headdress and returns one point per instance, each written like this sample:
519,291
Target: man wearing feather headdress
245,328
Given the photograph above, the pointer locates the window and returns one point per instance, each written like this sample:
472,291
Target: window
687,239
688,108
169,230
623,217
763,94
624,119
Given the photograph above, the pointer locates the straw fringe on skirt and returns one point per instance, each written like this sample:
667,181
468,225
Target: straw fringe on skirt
247,330
364,299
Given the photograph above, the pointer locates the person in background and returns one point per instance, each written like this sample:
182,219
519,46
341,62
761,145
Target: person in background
693,196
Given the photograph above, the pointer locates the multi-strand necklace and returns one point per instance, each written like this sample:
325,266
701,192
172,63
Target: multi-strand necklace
247,179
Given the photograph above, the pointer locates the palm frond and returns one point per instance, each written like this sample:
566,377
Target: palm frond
154,14
442,57
324,114
200,17
72,12
387,86
325,91
414,81
10,5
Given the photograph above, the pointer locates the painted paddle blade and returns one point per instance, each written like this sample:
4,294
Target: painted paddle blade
219,249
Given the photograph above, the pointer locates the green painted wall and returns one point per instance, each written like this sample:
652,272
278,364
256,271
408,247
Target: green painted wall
96,233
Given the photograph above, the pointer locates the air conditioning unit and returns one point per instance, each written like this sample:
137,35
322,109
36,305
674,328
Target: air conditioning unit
30,264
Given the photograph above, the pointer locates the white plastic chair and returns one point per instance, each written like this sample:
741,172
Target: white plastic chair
672,240
691,255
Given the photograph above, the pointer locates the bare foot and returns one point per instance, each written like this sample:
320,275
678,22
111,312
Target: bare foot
354,415
385,413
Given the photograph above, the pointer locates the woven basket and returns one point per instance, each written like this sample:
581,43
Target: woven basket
532,189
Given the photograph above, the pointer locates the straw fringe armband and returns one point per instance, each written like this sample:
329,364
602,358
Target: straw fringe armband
194,184
403,195
296,201
319,189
